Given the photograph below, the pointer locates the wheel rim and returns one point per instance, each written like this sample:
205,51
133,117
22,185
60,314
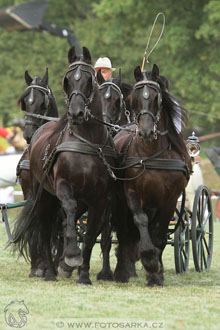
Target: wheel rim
202,229
181,245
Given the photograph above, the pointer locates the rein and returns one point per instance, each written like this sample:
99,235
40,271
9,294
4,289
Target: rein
116,128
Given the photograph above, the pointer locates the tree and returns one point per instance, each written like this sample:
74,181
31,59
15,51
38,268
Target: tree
188,52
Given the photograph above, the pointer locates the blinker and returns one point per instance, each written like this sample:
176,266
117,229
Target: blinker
146,93
77,75
31,97
108,93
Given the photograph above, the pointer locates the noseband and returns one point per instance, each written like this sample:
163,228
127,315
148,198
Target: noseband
81,66
47,96
146,84
109,85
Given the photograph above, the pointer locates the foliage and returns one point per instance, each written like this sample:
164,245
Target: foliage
188,53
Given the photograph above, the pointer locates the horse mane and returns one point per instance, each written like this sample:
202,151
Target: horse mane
172,109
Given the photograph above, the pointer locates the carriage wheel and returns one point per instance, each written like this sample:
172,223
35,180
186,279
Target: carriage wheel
181,245
202,229
218,209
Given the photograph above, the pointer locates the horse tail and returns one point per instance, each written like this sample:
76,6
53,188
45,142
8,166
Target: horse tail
26,230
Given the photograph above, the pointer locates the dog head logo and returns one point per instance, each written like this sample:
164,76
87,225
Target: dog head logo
15,314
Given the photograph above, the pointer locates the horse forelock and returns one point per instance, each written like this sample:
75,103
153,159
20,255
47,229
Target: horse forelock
22,96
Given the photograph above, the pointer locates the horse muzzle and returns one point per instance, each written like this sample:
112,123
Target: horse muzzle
76,117
146,135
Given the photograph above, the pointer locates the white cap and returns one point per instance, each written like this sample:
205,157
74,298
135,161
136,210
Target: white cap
104,62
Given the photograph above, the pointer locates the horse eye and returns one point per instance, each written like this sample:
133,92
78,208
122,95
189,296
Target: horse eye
65,84
117,103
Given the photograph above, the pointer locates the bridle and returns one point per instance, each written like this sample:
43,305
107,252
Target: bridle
85,67
146,84
110,85
47,97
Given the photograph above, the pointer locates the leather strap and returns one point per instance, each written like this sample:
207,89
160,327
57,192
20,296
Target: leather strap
84,148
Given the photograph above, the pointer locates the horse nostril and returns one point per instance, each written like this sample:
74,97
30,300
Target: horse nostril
80,114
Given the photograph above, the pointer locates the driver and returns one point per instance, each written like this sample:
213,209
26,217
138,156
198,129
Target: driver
105,65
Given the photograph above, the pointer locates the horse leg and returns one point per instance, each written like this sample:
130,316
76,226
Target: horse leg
132,268
95,221
158,231
73,257
64,270
149,254
121,223
47,209
106,274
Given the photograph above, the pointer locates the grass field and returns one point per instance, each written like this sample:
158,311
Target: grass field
188,301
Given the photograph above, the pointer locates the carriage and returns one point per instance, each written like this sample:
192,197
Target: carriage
64,139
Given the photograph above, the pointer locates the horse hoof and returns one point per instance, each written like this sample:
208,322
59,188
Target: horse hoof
105,276
64,273
121,277
74,262
84,282
50,278
33,273
40,272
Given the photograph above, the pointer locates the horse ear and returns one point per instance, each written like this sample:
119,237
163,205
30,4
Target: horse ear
155,72
99,77
126,89
71,55
87,55
44,80
118,78
137,73
27,78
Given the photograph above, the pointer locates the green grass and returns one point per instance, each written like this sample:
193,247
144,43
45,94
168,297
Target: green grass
188,301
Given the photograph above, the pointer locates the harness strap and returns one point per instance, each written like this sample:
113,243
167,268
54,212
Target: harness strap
24,164
38,116
83,148
158,164
5,220
135,160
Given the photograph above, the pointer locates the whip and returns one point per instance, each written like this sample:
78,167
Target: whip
146,56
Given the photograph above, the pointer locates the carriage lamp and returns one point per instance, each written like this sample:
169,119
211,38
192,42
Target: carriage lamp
193,146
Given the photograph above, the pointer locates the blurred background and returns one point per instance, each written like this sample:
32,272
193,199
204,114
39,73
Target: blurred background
187,54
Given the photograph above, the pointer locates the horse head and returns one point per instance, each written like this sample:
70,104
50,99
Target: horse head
37,101
111,97
79,86
146,102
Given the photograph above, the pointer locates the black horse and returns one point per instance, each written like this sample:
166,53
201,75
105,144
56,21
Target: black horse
115,100
70,167
116,111
40,106
38,102
156,171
